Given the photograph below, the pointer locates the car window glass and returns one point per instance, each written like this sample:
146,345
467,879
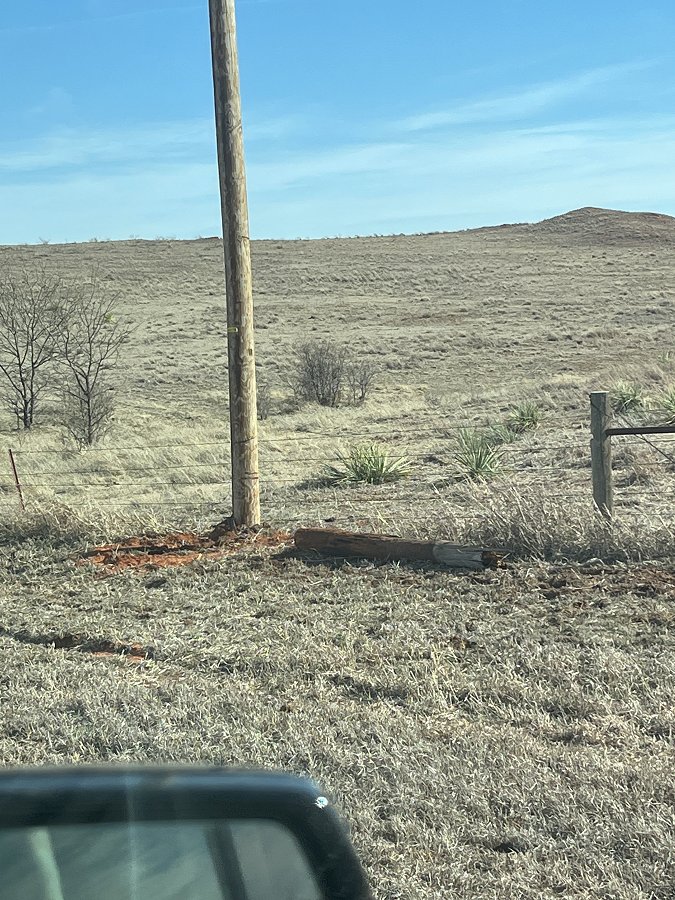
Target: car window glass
238,860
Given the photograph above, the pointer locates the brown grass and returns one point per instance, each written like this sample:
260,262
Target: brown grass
490,735
500,734
463,326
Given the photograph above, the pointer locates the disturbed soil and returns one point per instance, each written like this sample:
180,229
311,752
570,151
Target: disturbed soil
162,551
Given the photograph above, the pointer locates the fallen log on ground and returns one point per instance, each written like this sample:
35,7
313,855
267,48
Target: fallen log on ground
384,547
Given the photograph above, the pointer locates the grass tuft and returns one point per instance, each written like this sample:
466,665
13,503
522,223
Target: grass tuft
666,403
627,397
500,434
531,524
525,416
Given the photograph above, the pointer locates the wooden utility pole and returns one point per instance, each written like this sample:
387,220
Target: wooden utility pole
601,453
238,279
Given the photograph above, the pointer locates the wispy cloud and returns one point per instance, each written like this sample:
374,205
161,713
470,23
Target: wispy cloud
78,148
97,18
513,153
159,143
522,104
423,183
99,14
422,173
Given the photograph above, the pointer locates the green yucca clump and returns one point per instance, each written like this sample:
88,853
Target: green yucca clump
476,455
367,464
667,405
626,397
524,417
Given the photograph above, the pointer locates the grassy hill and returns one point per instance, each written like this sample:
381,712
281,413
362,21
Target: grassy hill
505,733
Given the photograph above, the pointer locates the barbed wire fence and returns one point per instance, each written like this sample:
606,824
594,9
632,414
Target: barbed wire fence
123,484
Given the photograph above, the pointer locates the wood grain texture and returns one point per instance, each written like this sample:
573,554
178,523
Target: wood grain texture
385,547
601,453
238,277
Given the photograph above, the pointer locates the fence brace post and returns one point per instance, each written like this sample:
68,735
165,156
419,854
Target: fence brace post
601,453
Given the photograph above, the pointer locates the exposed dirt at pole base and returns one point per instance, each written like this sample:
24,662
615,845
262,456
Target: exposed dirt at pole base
179,549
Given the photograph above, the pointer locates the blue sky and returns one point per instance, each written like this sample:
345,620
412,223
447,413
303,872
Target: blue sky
361,116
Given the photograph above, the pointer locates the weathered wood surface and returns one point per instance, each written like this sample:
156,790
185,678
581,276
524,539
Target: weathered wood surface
601,453
333,542
237,251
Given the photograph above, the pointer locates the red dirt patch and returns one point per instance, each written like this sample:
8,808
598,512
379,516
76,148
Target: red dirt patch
179,549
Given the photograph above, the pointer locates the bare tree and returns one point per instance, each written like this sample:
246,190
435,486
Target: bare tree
31,318
90,342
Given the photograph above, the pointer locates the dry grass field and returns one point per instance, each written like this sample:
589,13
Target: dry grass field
500,734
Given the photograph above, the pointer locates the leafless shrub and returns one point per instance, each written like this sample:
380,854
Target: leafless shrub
265,401
321,373
31,319
327,374
360,377
89,345
87,413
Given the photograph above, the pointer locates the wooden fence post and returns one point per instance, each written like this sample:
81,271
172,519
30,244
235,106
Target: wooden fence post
601,453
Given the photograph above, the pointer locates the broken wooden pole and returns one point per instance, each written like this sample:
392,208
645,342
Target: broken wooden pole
384,547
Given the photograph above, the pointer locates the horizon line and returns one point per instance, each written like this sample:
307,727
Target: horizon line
337,237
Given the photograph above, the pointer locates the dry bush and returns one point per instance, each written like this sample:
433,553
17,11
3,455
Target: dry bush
361,375
328,374
265,401
530,524
87,412
321,371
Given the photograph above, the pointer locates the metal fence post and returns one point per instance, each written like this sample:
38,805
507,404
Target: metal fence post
17,481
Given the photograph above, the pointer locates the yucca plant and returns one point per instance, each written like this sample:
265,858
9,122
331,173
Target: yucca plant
367,464
626,397
666,405
476,455
525,416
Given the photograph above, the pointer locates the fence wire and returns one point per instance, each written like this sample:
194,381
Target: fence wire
75,483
